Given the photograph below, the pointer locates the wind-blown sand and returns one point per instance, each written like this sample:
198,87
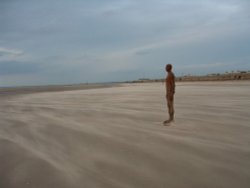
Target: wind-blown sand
114,137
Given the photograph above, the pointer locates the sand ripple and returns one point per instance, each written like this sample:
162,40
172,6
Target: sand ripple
113,137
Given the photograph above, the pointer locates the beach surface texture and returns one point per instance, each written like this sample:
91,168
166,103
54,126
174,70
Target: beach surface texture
114,137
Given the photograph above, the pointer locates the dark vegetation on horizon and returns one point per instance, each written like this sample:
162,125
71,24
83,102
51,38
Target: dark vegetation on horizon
233,75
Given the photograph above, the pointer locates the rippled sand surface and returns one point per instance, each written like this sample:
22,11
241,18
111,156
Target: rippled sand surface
114,137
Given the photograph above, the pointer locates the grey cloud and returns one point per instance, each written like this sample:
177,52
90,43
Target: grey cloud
18,68
78,36
10,52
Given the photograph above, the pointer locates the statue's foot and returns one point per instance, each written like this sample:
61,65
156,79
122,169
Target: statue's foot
167,122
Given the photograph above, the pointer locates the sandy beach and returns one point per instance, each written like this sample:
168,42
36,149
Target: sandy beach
114,137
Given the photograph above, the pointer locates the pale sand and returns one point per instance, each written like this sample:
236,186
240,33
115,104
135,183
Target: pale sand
114,137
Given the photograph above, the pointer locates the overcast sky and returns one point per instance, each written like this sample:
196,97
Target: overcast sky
64,42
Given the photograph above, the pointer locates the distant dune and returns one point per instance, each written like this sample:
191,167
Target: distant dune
217,77
241,75
114,137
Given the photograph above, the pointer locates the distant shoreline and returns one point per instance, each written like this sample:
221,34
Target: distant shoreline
8,91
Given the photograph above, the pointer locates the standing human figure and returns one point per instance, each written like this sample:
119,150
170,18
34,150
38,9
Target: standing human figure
170,91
